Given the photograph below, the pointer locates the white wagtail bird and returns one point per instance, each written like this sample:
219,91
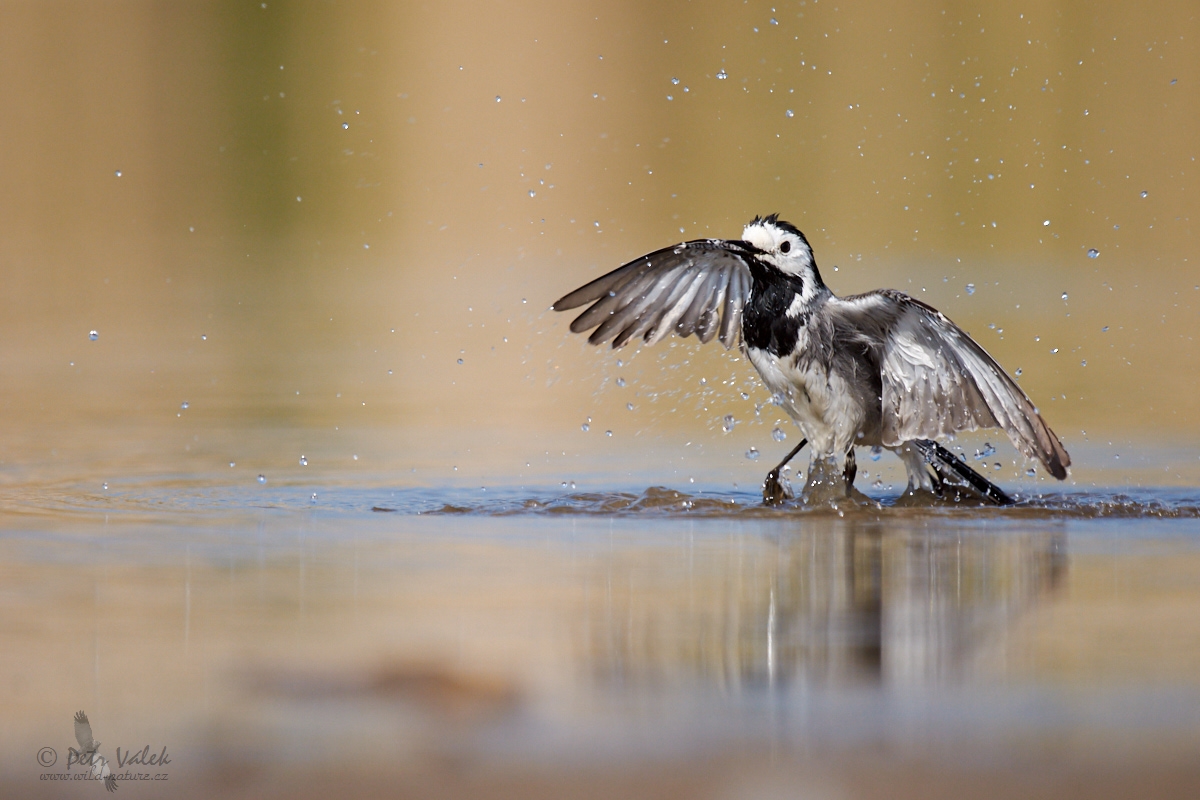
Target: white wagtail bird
874,369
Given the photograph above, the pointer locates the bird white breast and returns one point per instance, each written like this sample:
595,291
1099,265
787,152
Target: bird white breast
821,403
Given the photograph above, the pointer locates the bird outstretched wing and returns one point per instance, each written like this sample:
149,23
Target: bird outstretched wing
83,732
695,287
937,381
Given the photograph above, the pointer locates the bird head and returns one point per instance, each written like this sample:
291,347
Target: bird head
782,245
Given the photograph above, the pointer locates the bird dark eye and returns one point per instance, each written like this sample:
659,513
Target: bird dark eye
785,247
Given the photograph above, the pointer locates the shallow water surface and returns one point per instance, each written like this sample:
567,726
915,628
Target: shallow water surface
293,637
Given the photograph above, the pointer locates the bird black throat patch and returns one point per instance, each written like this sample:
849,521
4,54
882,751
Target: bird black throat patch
765,322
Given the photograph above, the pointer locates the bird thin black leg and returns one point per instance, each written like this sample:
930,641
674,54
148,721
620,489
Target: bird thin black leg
773,493
937,456
851,470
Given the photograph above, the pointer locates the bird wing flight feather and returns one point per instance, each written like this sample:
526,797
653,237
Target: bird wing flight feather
83,731
938,381
697,287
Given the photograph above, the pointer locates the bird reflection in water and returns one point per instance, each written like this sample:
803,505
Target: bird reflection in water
820,603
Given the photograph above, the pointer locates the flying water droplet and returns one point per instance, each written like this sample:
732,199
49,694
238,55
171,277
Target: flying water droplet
608,433
1064,296
585,427
789,113
629,406
232,464
1083,363
1031,472
778,435
93,335
262,478
497,98
876,453
675,81
721,74
1145,194
532,193
620,381
752,453
1054,351
184,405
1019,371
1104,329
970,288
345,126
460,361
728,422
303,461
1093,252
774,21
104,486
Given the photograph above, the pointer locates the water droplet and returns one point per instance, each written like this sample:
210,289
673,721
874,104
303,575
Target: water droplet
728,422
774,21
1145,194
1104,329
1083,363
314,497
460,361
93,335
608,433
996,466
778,435
1064,295
721,74
1093,252
752,453
232,464
104,486
355,456
389,372
118,173
345,126
532,193
970,288
303,461
184,405
789,113
497,98
877,484
620,381
876,453
1031,472
988,449
1054,351
1045,223
629,406
1019,371
585,427
675,81
262,478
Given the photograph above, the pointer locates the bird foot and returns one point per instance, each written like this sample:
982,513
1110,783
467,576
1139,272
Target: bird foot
775,491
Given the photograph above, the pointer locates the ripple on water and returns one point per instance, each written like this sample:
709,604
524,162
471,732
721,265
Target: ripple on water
661,501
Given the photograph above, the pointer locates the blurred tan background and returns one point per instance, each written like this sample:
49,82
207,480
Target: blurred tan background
298,217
